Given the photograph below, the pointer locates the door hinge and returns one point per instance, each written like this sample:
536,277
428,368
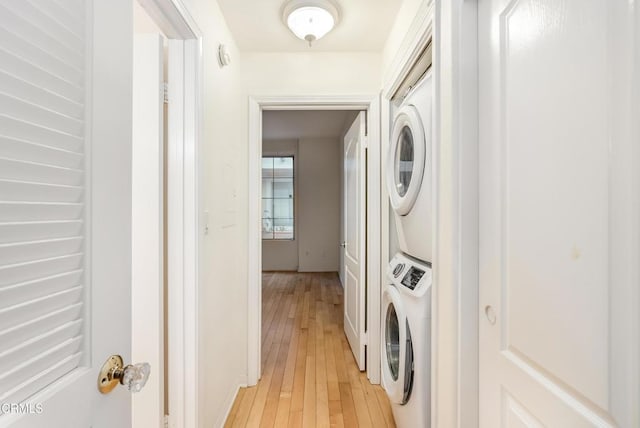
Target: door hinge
165,92
365,339
365,143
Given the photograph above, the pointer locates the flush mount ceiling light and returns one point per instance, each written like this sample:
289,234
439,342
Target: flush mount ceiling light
310,20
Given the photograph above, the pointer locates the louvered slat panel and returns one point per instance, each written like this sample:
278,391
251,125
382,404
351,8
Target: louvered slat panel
25,251
34,231
47,23
21,272
35,55
39,211
32,367
55,371
74,9
36,171
32,328
30,290
39,37
31,192
16,87
18,66
39,116
31,152
72,22
11,357
42,193
23,312
19,130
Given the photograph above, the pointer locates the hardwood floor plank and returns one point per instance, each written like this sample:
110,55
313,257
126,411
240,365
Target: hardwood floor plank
322,395
273,396
282,415
309,375
297,394
309,410
377,418
260,400
234,409
385,406
245,406
348,408
335,414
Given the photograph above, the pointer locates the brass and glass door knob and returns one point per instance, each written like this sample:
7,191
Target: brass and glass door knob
114,372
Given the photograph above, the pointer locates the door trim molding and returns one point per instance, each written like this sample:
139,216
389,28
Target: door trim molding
183,188
455,371
258,104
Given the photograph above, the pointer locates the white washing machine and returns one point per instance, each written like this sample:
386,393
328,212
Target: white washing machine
406,344
409,173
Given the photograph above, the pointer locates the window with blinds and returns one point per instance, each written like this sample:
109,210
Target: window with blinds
42,193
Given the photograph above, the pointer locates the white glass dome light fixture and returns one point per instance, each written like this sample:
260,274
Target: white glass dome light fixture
310,20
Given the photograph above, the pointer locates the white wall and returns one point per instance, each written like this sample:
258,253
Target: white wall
224,178
223,263
404,19
319,205
282,255
302,73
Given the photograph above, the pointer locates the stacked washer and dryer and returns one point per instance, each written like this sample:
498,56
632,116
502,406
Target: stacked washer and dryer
406,316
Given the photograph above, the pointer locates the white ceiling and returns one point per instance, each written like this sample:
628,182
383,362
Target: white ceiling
257,26
287,125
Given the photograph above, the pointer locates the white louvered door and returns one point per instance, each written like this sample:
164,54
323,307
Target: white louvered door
64,211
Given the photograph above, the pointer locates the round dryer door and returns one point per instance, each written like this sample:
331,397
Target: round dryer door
406,159
397,350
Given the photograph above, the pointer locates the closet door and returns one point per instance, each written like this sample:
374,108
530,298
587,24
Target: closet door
559,213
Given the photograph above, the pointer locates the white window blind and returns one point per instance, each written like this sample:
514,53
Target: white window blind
42,193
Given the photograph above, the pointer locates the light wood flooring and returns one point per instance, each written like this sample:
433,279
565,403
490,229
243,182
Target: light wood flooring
309,375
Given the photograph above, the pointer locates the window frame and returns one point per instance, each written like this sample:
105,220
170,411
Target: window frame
272,198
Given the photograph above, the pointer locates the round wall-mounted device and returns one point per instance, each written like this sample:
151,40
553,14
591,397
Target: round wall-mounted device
224,57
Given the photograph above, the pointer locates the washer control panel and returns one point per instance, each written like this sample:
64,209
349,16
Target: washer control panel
409,273
412,277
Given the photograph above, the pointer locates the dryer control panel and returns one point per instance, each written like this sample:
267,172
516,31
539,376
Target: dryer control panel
409,273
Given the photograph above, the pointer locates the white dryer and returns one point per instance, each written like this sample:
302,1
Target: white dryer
409,173
406,344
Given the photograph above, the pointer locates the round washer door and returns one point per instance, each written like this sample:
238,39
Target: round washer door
406,159
394,347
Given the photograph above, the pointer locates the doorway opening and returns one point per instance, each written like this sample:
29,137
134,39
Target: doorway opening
165,231
312,164
306,249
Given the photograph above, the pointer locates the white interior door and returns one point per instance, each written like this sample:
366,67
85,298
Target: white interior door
65,211
147,301
354,247
559,213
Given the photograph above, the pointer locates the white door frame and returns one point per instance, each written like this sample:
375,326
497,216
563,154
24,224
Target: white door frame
454,368
370,103
183,195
